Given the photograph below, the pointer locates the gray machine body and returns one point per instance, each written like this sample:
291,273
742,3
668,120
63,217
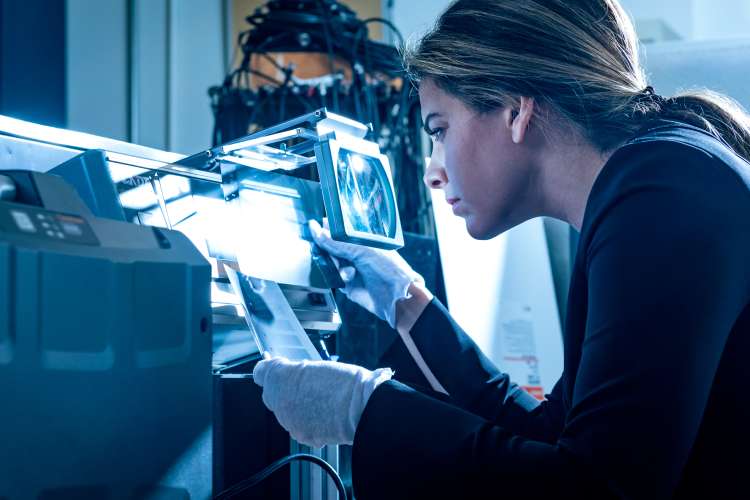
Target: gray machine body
234,431
105,354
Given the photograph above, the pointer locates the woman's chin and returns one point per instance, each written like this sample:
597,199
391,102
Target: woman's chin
476,230
480,230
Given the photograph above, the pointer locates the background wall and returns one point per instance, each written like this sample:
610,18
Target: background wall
139,70
693,19
686,19
32,60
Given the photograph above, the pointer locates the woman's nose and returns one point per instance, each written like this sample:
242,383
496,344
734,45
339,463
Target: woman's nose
434,175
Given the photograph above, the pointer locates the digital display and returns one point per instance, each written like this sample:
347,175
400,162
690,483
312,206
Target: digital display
71,229
365,194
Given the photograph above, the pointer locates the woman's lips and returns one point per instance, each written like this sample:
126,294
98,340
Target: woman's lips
455,204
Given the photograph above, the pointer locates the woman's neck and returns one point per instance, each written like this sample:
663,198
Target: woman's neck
569,166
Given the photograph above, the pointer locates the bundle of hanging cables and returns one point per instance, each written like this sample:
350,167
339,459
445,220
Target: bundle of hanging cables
248,483
365,81
315,26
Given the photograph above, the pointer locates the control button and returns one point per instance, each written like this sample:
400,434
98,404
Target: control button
40,216
23,221
51,234
45,225
59,235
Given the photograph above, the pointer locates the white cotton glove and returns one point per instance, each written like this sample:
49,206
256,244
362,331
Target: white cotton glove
376,279
317,402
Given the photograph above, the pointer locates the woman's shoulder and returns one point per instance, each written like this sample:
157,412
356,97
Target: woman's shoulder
678,161
670,178
678,153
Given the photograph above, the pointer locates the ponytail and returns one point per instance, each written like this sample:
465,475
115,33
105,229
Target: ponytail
716,113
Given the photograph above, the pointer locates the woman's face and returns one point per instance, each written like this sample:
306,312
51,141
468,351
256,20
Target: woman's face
484,170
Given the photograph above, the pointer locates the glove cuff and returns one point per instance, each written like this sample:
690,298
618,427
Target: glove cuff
369,381
376,378
401,292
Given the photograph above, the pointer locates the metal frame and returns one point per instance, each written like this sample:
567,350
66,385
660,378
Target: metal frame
327,152
321,133
306,130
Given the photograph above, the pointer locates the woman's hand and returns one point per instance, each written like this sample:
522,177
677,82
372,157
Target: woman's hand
375,279
317,402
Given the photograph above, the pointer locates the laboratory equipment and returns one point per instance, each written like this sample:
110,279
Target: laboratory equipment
244,207
354,177
97,364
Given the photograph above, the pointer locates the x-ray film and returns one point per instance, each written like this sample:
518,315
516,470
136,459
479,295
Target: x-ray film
358,192
270,318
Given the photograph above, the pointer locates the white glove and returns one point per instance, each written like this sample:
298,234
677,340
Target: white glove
317,402
378,278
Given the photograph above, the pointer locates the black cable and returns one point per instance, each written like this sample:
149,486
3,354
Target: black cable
392,26
273,61
370,90
256,478
333,30
356,82
329,47
262,75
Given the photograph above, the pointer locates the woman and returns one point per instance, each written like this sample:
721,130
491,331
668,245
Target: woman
540,107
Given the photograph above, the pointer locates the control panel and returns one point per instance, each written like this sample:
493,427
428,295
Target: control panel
37,222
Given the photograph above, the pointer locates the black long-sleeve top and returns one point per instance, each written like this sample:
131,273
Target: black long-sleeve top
651,402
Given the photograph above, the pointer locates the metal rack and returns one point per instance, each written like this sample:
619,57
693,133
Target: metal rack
283,147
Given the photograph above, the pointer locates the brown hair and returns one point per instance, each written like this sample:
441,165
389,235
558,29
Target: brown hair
580,57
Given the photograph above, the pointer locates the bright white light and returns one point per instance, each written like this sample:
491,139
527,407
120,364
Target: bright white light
139,198
120,172
358,164
359,206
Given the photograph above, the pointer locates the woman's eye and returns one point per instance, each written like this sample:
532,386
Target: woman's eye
436,133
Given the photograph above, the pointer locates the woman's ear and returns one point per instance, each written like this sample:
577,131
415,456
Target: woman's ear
519,119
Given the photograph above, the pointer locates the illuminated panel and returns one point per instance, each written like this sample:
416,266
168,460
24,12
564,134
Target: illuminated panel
358,192
365,194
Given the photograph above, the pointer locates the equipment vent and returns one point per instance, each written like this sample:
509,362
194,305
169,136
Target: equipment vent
78,492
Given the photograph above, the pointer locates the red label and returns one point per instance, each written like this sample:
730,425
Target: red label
535,391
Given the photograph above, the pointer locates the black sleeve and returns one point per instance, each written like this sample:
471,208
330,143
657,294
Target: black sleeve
474,383
667,278
411,446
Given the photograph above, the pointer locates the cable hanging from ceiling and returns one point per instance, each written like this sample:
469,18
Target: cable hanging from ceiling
359,77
